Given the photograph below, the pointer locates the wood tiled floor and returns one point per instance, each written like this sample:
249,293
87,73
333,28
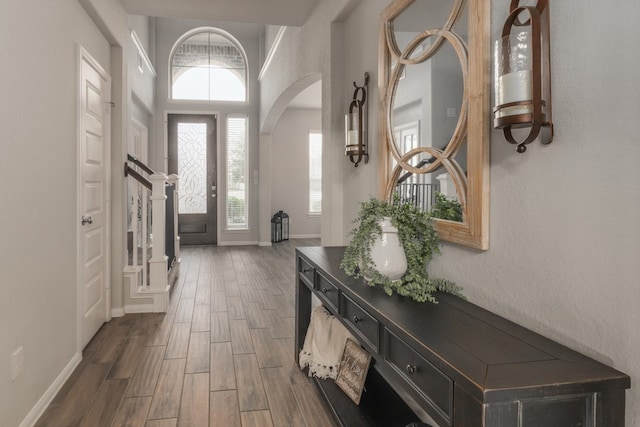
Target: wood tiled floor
223,355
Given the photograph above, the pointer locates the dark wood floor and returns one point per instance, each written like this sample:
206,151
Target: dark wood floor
221,356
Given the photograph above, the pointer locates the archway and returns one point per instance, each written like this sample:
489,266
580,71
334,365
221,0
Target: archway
285,158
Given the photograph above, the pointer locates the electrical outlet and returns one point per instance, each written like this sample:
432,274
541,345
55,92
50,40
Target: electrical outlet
17,364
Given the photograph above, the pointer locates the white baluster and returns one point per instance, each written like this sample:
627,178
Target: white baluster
175,179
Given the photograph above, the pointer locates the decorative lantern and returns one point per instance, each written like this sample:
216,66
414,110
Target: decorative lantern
279,227
522,75
356,123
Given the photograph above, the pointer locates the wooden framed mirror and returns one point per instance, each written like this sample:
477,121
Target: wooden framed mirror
434,121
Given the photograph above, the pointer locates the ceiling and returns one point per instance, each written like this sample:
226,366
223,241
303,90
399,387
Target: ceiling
266,12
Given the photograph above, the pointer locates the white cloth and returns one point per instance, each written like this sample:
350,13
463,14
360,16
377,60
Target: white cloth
323,344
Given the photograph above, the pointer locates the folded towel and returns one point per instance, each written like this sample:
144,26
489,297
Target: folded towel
323,344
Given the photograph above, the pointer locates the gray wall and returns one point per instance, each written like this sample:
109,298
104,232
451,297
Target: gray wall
38,217
290,164
564,237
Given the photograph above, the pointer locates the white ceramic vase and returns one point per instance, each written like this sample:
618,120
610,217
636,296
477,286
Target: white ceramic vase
387,252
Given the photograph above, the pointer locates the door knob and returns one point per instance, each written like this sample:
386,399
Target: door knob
86,219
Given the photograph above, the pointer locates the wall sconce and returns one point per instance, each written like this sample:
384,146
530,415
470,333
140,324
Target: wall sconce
523,75
356,125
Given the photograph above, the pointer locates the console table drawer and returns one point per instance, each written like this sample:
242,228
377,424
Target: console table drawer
328,290
433,386
362,321
306,269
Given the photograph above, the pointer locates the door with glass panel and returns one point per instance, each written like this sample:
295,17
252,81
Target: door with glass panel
192,156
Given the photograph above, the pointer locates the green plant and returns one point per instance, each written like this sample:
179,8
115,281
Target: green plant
444,208
419,240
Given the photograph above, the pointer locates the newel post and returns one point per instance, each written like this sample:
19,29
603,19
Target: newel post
158,282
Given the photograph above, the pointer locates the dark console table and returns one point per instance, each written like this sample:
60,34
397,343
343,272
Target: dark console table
454,363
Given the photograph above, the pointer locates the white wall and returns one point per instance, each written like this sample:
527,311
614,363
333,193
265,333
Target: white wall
564,228
38,217
290,165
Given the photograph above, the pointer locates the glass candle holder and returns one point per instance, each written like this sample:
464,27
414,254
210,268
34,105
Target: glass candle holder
353,146
513,79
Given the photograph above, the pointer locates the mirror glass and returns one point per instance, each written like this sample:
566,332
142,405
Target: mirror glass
435,157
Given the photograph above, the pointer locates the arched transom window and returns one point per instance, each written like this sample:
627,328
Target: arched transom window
208,64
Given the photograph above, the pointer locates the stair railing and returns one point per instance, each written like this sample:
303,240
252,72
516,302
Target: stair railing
152,240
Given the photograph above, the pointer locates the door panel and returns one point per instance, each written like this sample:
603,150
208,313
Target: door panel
93,155
192,156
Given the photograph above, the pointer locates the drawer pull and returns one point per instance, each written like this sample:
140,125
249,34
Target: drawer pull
307,270
356,319
411,369
325,290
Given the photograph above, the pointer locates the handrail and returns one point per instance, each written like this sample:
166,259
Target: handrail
139,163
423,162
128,170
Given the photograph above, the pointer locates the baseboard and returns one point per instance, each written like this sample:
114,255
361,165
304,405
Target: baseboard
117,312
251,243
42,404
138,308
266,244
305,236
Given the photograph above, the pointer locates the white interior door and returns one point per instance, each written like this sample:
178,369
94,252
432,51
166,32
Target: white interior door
139,142
93,155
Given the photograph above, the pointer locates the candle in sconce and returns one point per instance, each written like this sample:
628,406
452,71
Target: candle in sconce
514,87
351,131
352,137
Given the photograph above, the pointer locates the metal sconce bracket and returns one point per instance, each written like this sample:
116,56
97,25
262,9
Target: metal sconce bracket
356,125
523,94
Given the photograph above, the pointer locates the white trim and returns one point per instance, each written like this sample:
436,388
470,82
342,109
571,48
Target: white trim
237,230
225,199
138,308
265,244
271,53
232,243
117,312
304,236
219,31
143,53
132,278
36,412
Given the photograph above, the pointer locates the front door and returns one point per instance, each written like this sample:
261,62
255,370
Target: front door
93,221
192,156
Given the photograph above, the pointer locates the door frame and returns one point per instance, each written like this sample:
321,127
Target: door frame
219,135
85,56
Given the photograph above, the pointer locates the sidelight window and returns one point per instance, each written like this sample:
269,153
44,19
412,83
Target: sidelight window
237,172
315,172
